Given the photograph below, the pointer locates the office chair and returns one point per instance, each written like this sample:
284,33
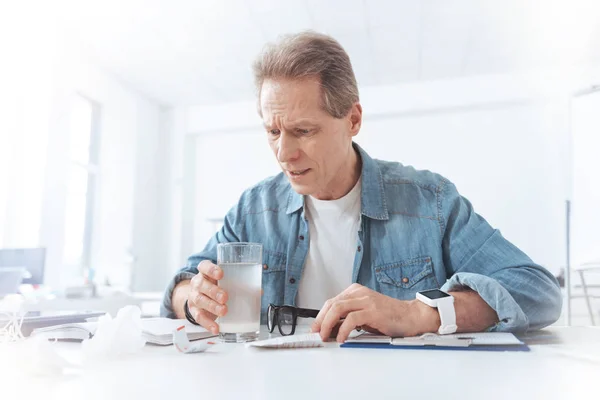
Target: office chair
582,269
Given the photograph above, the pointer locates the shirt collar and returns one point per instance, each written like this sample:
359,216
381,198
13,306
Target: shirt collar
372,195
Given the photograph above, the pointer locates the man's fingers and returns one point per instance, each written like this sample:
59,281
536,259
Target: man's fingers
351,291
338,310
205,319
367,328
212,291
353,319
210,270
348,293
316,325
203,302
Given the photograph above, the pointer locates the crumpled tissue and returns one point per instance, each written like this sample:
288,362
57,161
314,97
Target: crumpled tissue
115,337
39,357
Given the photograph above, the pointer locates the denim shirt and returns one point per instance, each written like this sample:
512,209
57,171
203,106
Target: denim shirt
416,233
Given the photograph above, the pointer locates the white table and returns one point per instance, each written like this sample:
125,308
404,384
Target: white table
566,370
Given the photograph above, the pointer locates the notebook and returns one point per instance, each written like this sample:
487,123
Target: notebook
491,341
157,331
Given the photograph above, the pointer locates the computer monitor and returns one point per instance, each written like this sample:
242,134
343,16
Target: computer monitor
33,260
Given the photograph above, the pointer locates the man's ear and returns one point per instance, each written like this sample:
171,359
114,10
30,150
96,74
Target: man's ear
355,119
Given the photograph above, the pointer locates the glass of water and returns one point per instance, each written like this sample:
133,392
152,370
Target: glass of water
242,280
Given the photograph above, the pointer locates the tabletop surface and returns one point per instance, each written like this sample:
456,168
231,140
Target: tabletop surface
564,362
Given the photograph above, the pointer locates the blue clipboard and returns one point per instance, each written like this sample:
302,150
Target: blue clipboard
521,347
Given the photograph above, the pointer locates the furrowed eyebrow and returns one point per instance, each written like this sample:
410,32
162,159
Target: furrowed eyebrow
302,122
293,124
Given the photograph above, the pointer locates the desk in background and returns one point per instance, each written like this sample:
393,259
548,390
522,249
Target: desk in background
149,303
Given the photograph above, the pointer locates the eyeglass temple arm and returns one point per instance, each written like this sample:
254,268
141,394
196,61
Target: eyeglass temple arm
307,312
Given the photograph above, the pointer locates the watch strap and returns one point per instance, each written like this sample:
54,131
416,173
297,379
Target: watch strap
447,316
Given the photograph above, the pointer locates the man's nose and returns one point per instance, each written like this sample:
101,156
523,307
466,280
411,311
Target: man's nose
288,149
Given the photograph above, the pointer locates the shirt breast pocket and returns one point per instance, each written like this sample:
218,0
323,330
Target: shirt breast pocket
273,278
403,279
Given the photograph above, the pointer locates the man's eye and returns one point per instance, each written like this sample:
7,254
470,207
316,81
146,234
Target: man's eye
303,131
274,132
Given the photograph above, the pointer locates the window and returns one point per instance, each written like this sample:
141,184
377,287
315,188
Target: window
81,183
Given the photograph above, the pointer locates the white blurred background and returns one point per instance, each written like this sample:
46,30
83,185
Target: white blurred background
128,128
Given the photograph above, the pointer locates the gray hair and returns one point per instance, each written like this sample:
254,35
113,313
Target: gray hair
311,54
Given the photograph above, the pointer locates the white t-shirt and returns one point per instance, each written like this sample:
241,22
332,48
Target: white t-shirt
333,231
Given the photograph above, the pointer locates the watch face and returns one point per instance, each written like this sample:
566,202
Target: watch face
434,294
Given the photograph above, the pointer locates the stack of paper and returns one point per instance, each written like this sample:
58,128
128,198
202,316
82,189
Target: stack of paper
290,342
160,330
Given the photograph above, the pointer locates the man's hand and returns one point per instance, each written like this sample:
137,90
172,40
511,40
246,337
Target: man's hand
373,311
206,301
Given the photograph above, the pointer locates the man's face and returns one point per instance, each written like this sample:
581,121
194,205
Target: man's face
312,147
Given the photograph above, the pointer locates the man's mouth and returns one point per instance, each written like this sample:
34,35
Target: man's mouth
298,172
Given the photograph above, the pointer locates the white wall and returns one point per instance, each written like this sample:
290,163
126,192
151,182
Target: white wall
150,206
127,223
226,164
25,93
507,160
503,139
178,216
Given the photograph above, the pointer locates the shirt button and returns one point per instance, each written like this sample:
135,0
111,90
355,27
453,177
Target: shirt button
405,280
359,248
301,237
292,280
265,267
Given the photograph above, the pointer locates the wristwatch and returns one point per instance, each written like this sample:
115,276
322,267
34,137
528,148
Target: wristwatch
445,304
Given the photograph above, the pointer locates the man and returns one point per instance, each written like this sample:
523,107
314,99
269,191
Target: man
353,236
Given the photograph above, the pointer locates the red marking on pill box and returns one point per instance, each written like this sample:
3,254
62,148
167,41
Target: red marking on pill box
180,328
211,342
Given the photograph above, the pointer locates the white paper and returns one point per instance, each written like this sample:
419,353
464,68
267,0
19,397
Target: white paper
487,338
183,345
160,330
370,338
165,326
305,340
473,339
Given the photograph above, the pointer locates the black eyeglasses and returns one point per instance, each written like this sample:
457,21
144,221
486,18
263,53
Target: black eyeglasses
285,317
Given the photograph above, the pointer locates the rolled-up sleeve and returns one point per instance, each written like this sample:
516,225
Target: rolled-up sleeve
166,307
525,296
228,233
